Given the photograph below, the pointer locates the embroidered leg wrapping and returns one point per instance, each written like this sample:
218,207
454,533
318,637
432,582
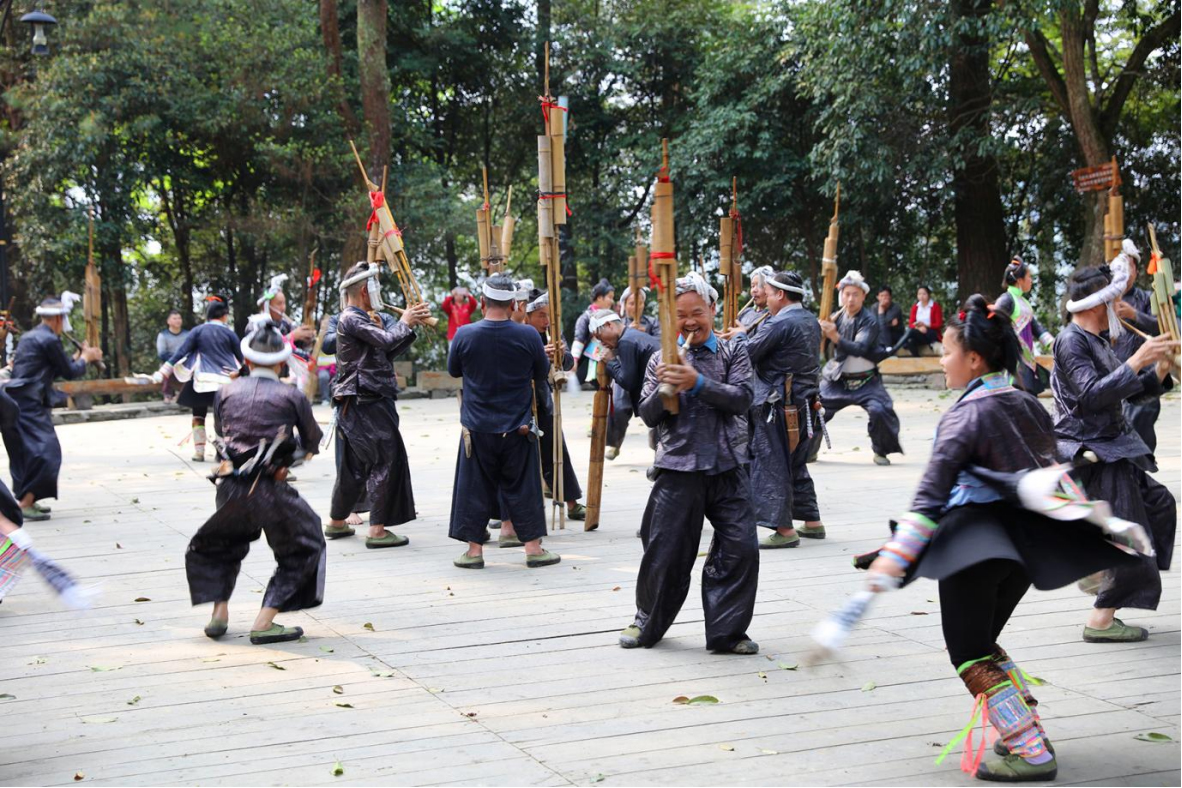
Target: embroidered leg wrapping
198,439
1014,721
1020,680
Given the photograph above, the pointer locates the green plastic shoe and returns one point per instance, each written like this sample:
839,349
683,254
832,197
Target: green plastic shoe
1119,632
466,561
276,633
544,558
37,505
880,459
577,513
745,647
630,637
391,539
610,453
1013,769
811,533
338,531
508,540
33,515
216,628
777,540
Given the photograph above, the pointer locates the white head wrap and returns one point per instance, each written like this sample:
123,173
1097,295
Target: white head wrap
375,291
48,308
628,292
693,282
494,294
785,287
255,324
1111,293
523,288
602,317
853,278
541,301
764,272
273,288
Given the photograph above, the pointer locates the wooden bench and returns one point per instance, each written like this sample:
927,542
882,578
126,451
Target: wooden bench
81,393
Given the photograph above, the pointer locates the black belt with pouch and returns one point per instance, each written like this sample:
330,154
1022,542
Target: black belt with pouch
791,417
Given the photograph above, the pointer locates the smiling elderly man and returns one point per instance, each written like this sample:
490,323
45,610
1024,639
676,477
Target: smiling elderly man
700,472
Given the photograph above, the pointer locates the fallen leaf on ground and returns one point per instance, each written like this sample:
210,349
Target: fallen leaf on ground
102,668
770,752
434,689
918,613
118,546
789,666
143,599
277,667
98,720
338,690
727,747
139,623
79,776
682,699
327,649
597,778
702,700
617,588
134,700
344,705
368,626
869,686
762,675
135,500
7,696
1158,738
383,674
39,660
338,769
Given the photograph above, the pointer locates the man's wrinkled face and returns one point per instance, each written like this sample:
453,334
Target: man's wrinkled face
853,298
758,292
539,319
695,318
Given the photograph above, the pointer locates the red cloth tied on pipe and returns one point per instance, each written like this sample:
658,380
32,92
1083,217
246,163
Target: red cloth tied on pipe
653,279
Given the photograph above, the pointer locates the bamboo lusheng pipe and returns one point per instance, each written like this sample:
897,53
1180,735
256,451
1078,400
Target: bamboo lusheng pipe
92,293
312,386
390,242
599,410
664,266
552,212
507,225
730,265
637,277
309,318
1114,218
483,228
829,261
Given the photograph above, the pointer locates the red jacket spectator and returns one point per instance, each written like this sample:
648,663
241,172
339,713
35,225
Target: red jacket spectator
458,307
935,321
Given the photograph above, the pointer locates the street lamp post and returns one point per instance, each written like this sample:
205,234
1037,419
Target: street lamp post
40,22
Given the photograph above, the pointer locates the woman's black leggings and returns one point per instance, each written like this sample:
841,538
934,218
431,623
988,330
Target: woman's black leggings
201,413
975,605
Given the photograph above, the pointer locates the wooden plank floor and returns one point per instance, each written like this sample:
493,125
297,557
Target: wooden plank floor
512,676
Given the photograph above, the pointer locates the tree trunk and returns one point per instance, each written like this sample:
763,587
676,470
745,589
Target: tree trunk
981,247
375,82
452,260
330,32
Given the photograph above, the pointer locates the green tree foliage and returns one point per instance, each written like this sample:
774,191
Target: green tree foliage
211,138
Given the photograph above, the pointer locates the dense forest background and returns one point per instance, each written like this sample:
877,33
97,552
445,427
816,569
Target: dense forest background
211,139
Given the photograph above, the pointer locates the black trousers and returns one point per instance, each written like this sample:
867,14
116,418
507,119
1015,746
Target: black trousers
499,480
804,492
571,491
293,532
374,464
1134,496
619,416
975,605
871,396
671,530
918,340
